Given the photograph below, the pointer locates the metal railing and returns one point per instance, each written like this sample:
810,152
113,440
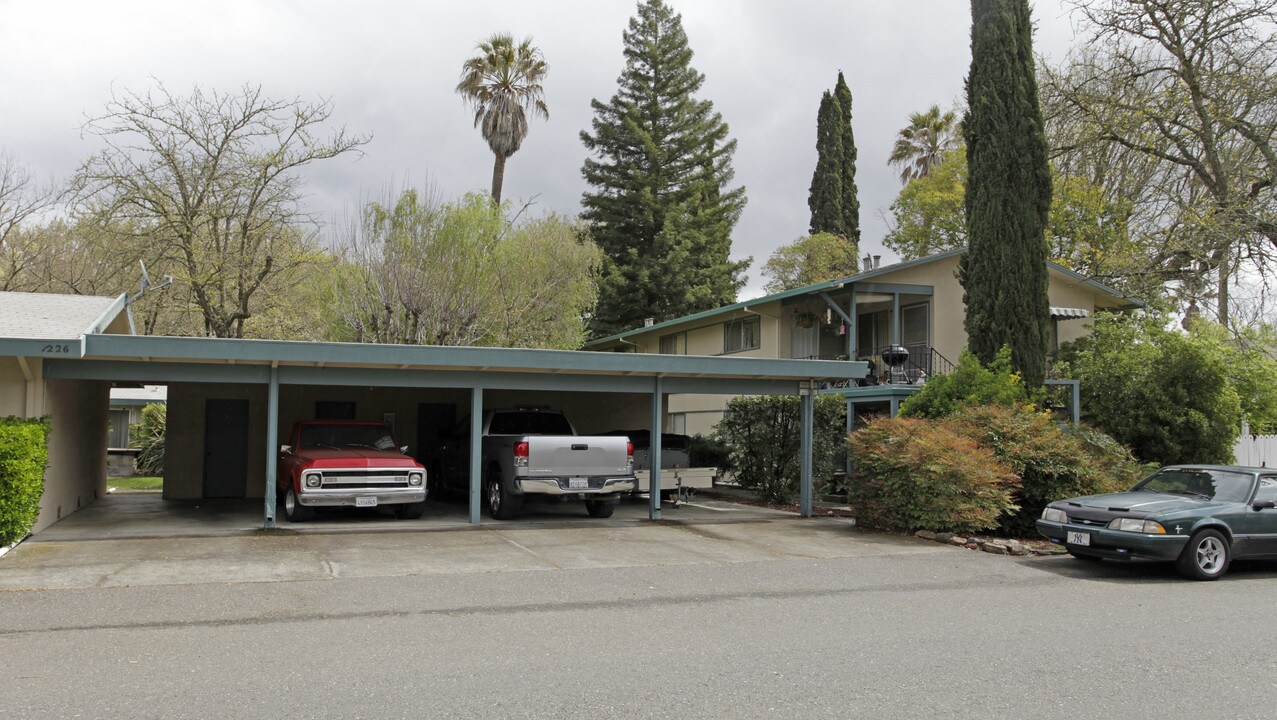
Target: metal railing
924,362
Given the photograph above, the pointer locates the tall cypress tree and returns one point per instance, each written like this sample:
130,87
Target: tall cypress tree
1008,192
850,196
825,197
659,205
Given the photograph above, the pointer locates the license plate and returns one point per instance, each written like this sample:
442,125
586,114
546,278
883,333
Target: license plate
578,483
1079,538
366,501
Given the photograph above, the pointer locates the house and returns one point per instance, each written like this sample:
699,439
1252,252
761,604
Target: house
916,305
124,411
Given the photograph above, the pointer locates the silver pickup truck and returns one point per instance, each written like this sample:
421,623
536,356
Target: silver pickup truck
535,452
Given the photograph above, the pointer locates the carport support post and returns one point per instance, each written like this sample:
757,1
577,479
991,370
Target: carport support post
272,443
808,411
654,452
476,452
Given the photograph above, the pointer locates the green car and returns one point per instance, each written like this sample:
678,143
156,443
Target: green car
1200,517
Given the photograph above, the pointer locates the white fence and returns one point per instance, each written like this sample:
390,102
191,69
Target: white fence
1255,450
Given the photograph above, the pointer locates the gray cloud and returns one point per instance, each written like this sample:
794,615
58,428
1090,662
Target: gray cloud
390,69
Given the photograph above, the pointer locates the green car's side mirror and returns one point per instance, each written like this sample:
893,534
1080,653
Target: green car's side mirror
1264,504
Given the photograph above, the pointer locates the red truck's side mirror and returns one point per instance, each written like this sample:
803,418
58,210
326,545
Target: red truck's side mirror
285,449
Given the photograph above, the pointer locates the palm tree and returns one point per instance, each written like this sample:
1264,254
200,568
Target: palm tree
503,83
922,145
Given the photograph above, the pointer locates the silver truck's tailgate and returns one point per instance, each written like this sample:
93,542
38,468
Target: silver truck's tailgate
560,456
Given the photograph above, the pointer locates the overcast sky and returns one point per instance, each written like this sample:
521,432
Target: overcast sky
390,69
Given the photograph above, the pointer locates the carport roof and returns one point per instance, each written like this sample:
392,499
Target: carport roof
491,360
152,359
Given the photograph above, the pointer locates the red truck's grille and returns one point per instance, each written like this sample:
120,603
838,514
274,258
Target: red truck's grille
364,478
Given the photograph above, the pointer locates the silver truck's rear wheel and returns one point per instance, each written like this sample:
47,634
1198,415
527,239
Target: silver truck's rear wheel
294,510
599,508
501,504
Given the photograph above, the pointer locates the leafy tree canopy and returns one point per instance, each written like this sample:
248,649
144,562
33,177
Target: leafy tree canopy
810,260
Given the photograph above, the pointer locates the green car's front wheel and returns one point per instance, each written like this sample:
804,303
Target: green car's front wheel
1206,556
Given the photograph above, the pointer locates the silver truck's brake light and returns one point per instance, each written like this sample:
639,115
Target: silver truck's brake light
521,454
629,452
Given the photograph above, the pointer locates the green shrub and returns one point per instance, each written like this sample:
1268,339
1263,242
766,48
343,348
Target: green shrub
148,437
917,474
970,383
1165,395
24,453
763,436
1051,463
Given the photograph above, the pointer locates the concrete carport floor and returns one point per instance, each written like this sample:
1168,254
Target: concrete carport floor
148,515
258,387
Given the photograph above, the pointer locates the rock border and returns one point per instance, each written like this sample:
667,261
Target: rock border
995,546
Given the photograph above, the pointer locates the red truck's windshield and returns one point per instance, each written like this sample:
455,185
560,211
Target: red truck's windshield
338,436
529,423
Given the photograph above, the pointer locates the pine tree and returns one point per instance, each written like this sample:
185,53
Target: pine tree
659,205
850,196
825,198
1008,192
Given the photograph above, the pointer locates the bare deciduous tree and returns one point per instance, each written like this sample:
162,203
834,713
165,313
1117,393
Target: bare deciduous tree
1186,89
209,183
22,197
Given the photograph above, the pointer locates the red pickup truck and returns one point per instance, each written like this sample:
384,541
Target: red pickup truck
346,463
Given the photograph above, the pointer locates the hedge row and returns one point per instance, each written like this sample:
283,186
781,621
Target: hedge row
24,454
980,468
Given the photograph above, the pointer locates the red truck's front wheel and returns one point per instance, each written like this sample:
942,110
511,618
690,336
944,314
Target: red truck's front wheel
294,510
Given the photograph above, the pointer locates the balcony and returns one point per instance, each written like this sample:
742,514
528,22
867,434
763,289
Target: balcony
922,363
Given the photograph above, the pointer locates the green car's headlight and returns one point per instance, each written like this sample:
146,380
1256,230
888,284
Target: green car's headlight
1136,525
1055,515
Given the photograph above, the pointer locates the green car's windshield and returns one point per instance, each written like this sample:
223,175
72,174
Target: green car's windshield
1219,485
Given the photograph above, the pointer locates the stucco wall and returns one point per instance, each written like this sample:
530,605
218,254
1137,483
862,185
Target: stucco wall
76,475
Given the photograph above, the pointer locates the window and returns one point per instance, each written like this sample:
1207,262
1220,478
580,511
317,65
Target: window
676,423
740,335
675,344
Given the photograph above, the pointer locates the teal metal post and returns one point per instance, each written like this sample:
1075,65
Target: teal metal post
852,331
895,318
654,473
272,444
805,489
895,406
1075,407
851,424
476,452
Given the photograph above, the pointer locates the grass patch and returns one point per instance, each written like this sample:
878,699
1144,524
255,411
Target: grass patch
136,483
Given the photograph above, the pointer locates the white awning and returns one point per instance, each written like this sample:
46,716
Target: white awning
1063,313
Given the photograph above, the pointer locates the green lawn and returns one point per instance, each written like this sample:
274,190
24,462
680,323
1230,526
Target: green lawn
136,483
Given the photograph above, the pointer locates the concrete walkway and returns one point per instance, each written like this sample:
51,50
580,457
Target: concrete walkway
105,545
